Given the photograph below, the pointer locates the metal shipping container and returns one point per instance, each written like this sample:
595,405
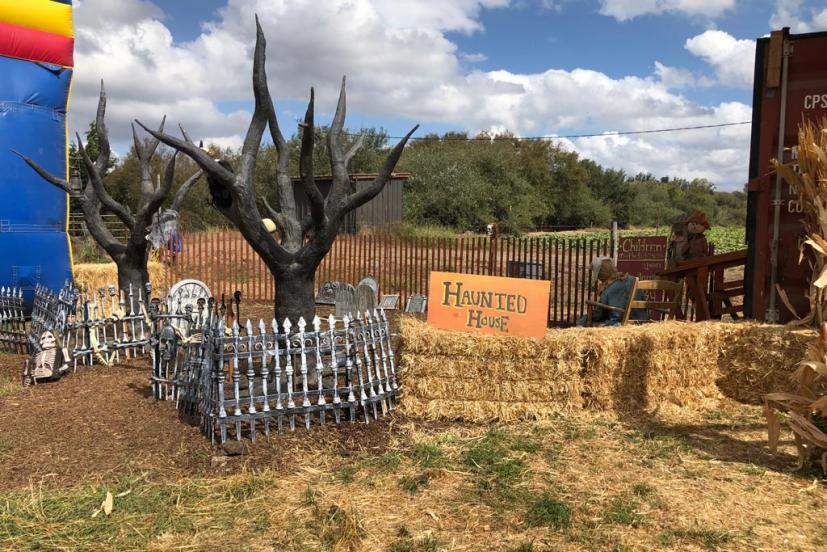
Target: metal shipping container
790,87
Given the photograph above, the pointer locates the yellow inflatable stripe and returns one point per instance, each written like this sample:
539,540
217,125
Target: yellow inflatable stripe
40,15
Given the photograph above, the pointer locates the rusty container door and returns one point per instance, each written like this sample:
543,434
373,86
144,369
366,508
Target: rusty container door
803,98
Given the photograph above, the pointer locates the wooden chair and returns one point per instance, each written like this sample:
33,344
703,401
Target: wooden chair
670,307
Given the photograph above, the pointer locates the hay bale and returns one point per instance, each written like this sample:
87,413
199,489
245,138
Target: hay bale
424,339
757,359
635,368
457,376
93,276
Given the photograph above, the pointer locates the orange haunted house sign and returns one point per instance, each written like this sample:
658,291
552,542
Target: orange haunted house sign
488,304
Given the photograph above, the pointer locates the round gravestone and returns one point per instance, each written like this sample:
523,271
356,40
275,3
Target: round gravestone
186,293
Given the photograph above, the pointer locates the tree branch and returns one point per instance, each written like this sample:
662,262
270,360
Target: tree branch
263,105
90,205
338,161
314,196
160,195
145,150
45,175
360,197
277,217
354,149
102,162
207,163
121,211
182,192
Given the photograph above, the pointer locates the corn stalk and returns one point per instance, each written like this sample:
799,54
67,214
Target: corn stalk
806,409
807,176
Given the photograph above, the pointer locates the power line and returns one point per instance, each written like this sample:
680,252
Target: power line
589,135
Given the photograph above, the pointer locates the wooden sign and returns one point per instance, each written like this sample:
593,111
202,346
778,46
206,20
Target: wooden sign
488,304
642,256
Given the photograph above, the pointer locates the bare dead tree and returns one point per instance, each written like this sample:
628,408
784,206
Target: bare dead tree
304,241
130,257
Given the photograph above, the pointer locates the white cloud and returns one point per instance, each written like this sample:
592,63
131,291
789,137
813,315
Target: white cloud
400,64
798,17
474,58
733,59
624,10
702,153
677,78
456,15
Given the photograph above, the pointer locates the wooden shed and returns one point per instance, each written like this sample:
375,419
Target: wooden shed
382,211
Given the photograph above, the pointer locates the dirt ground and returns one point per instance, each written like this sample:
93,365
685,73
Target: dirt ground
686,481
102,422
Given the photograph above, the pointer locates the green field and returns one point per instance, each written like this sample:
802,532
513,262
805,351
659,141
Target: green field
725,240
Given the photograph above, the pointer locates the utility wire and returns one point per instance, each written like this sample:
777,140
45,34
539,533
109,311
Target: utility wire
592,135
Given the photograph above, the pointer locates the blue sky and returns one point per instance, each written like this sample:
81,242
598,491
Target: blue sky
533,67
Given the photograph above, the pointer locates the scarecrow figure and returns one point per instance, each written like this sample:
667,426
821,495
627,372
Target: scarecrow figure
695,246
674,254
614,290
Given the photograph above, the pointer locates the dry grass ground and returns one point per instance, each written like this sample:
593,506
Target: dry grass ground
699,481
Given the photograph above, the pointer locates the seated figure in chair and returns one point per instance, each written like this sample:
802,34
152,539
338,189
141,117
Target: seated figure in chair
615,289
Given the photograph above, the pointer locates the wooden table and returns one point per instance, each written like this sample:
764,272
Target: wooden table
697,271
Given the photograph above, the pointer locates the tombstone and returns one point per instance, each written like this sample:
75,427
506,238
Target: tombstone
365,299
389,302
370,282
182,294
327,293
520,269
417,304
345,300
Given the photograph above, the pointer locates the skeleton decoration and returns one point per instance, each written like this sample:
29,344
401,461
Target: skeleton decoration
327,293
177,335
50,363
183,294
163,228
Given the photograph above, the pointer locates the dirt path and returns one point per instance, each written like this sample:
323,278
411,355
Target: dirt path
102,422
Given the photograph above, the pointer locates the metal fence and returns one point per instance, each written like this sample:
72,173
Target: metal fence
86,328
13,333
245,378
224,261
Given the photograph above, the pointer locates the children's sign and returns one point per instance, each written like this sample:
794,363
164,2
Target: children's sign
642,256
488,304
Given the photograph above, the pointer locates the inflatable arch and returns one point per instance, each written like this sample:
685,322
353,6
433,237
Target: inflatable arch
36,51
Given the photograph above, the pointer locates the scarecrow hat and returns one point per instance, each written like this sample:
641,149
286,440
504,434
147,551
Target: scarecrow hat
597,262
698,218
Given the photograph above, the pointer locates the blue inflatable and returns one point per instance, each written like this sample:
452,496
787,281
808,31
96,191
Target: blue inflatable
33,213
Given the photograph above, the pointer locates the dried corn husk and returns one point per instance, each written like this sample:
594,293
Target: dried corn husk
808,178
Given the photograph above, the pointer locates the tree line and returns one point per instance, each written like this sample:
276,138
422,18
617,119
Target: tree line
464,182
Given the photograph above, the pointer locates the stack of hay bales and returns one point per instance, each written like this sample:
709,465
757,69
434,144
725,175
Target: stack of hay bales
457,376
452,375
94,276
